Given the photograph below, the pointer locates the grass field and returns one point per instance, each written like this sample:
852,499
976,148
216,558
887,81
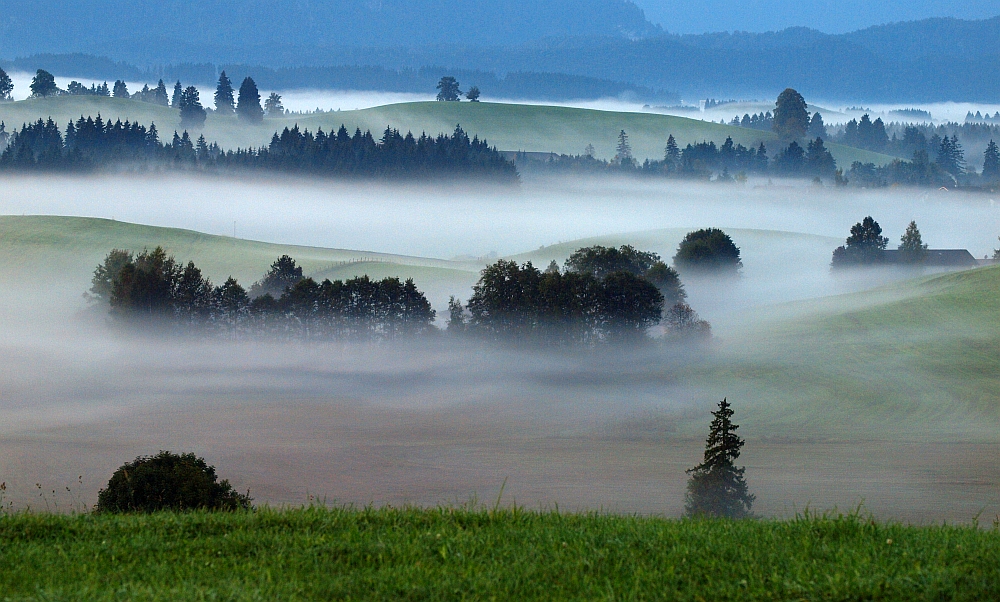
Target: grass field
536,128
507,554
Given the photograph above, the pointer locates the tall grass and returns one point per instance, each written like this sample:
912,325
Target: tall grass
320,553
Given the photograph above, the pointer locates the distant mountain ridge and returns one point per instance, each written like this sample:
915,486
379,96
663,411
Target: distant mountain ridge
604,41
164,27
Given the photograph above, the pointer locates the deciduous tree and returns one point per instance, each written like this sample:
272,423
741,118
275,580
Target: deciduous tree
791,116
43,84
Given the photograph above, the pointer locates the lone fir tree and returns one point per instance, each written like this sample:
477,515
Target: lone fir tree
991,160
911,246
225,104
716,487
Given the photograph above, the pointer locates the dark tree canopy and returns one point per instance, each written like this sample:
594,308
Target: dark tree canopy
168,481
175,100
273,106
225,104
708,249
522,304
43,84
602,261
448,89
283,274
791,116
818,160
817,129
193,115
865,245
248,105
991,162
473,94
791,161
120,90
716,487
6,86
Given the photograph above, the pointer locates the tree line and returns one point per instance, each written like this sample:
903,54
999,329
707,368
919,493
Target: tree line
91,144
151,288
602,295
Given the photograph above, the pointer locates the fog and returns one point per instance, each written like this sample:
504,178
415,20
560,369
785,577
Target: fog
437,422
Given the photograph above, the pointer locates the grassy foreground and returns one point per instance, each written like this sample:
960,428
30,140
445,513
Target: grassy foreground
324,554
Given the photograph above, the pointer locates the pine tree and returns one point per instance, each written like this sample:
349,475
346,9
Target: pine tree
120,89
160,95
672,154
817,129
175,101
717,487
192,113
991,163
911,246
248,106
224,102
6,86
623,150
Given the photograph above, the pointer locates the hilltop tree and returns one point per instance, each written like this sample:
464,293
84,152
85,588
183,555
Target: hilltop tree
120,90
448,89
671,153
864,246
623,150
43,84
818,160
791,117
716,487
950,156
224,102
160,95
273,106
708,249
911,246
6,86
248,106
175,100
193,115
817,129
473,94
991,163
282,275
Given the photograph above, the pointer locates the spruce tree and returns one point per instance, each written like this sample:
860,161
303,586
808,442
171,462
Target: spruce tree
224,102
911,246
716,487
6,86
991,163
817,129
672,154
120,89
248,106
623,150
175,101
192,113
160,95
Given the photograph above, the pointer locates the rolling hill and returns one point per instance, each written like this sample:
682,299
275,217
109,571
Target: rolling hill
536,128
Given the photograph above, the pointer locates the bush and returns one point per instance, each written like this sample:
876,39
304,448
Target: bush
708,249
168,481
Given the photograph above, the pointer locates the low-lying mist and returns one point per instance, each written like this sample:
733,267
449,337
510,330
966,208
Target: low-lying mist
439,421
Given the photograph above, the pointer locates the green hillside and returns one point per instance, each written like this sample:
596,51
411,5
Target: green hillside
921,357
535,128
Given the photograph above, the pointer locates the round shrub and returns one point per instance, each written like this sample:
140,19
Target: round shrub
168,481
709,249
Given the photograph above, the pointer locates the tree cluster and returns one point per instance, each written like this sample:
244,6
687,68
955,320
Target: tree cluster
91,144
152,289
708,250
602,295
867,246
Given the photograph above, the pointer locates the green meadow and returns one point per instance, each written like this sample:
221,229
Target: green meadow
479,554
511,127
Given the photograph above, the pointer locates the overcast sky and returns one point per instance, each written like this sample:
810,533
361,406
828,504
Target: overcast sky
831,16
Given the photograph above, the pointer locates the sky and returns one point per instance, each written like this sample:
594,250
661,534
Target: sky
837,16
